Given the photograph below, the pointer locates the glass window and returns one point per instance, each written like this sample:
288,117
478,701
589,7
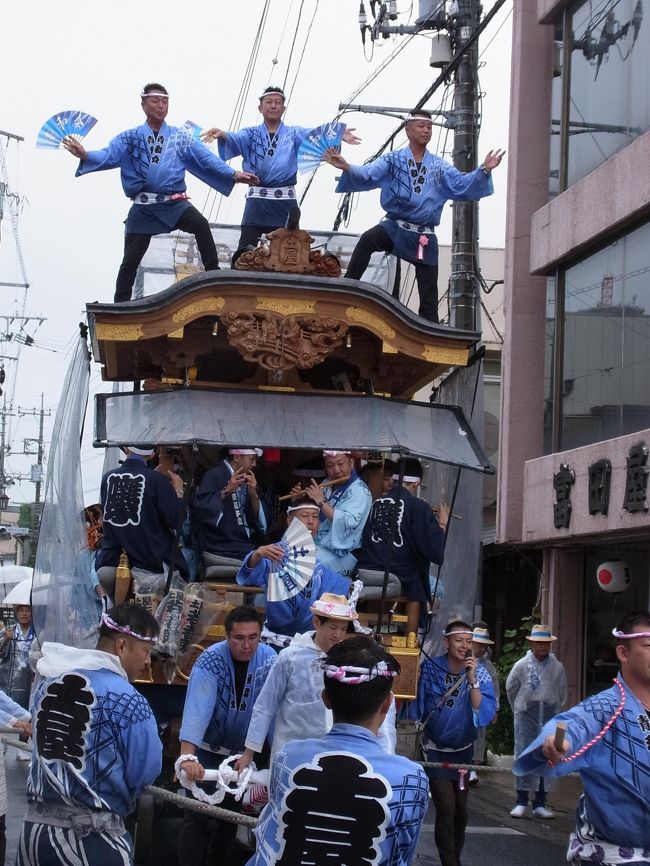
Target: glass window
549,364
609,97
605,388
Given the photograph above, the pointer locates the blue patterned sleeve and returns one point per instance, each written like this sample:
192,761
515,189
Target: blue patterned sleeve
463,186
9,710
233,145
200,699
208,167
257,575
581,728
141,745
362,178
485,713
106,158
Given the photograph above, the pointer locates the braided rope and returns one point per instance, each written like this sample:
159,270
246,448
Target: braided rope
182,802
617,712
225,777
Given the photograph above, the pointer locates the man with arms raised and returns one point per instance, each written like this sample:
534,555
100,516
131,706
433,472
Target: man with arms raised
95,746
342,786
224,685
455,698
606,739
415,185
270,152
153,159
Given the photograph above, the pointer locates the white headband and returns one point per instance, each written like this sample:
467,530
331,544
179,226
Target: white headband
336,453
410,479
622,636
457,631
144,95
410,117
298,507
143,452
359,675
243,452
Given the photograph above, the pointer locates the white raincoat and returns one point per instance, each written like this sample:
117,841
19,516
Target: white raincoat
291,700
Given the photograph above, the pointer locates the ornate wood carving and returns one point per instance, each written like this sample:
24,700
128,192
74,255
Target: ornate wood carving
278,342
198,308
289,252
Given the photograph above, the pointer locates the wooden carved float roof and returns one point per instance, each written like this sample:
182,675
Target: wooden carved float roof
274,330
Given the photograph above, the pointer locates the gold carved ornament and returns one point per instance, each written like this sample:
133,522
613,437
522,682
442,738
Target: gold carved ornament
278,342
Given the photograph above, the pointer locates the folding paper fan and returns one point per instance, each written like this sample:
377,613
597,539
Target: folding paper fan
288,577
310,152
73,123
193,128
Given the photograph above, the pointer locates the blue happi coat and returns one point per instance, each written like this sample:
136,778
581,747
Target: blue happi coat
342,786
226,523
293,615
451,724
212,719
418,541
10,711
95,740
613,814
140,514
273,158
336,538
414,193
156,163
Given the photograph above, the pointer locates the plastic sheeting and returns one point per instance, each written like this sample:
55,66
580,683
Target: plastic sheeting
65,606
305,421
174,256
458,575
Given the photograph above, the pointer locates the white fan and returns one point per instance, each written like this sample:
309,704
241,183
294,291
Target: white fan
291,575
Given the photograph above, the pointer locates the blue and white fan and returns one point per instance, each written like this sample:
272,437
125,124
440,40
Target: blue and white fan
193,128
310,152
74,123
288,577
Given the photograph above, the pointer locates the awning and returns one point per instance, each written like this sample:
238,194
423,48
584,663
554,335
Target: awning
288,420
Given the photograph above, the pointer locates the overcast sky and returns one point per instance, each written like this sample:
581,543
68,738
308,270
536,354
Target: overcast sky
63,56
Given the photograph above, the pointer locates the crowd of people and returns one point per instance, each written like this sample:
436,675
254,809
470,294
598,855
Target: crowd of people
154,157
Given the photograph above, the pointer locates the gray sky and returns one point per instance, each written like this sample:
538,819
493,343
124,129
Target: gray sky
60,56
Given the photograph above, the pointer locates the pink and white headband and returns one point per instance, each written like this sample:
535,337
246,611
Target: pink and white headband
336,453
353,676
244,452
622,636
125,629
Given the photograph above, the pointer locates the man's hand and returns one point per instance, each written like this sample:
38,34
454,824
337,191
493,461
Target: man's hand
9,633
349,137
493,159
176,481
470,669
23,726
551,751
443,514
333,157
212,134
315,493
241,763
274,552
193,770
251,482
296,491
74,147
247,178
236,480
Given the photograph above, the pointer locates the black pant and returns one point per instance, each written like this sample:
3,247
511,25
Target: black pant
249,237
206,841
135,246
377,240
451,819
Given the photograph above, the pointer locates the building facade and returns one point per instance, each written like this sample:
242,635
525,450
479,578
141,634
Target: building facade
576,364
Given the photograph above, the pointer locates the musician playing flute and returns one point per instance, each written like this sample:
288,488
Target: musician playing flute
284,619
344,509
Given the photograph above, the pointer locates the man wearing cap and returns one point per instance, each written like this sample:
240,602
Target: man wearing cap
481,650
455,697
341,791
415,185
269,151
225,682
536,689
419,539
344,508
291,700
153,159
230,513
141,512
95,746
607,741
286,618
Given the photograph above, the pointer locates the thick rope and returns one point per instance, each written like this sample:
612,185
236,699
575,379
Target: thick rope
203,808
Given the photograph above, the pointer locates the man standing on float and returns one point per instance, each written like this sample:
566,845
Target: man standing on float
269,151
415,185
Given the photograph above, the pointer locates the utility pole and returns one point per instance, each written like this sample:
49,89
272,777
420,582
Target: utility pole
36,476
5,482
463,282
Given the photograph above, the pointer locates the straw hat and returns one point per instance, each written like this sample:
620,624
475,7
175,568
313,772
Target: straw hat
541,633
481,635
334,606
